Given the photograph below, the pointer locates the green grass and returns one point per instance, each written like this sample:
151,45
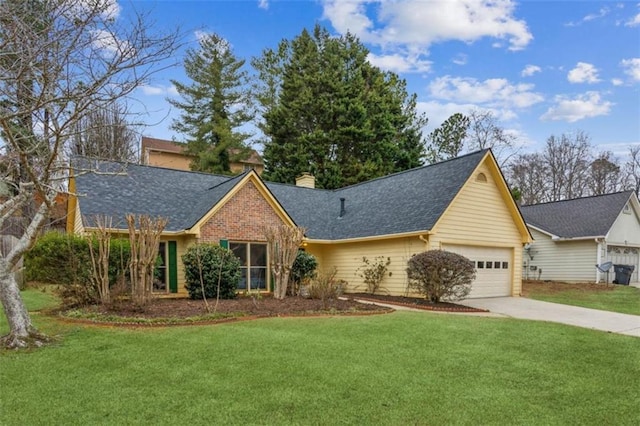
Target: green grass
400,368
623,299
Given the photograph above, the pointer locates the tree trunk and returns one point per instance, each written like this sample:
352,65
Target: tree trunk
22,333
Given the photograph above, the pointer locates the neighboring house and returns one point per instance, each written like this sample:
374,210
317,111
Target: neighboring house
573,236
462,205
169,154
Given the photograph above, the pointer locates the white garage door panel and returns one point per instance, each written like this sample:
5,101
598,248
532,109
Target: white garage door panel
624,256
493,269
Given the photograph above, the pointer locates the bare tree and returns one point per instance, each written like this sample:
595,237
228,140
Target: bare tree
605,175
568,159
100,259
59,60
145,241
485,132
105,133
632,169
283,242
528,173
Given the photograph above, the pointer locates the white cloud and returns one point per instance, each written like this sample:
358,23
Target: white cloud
158,90
110,44
631,67
460,59
591,17
495,92
617,82
633,22
583,106
530,70
399,63
263,4
583,73
107,9
417,23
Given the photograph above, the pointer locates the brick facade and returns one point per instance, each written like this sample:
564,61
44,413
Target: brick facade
243,218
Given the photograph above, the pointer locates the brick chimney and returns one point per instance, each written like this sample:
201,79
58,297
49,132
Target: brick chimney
306,180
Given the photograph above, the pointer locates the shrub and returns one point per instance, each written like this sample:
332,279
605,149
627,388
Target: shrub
58,258
374,271
440,274
325,287
64,259
211,263
303,269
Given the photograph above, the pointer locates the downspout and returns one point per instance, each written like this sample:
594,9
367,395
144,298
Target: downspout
424,240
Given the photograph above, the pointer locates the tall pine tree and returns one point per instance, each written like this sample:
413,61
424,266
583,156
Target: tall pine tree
214,106
328,111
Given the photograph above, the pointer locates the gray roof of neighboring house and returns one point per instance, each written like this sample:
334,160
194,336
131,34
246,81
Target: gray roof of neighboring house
581,217
408,201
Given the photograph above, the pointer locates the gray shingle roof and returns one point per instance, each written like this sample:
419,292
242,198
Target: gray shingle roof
580,217
408,201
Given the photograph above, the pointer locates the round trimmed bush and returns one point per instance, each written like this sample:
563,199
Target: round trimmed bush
440,274
214,264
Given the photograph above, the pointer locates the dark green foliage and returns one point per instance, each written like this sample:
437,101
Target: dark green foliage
304,266
303,269
65,259
215,265
58,258
214,106
329,112
440,274
447,141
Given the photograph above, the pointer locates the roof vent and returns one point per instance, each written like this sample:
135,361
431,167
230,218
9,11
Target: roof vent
306,180
342,210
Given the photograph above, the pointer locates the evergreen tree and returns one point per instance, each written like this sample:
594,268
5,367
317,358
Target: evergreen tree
447,141
214,106
328,111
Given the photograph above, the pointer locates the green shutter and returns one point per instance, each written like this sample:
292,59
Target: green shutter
224,244
173,267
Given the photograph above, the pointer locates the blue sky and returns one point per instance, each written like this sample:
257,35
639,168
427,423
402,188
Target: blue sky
543,67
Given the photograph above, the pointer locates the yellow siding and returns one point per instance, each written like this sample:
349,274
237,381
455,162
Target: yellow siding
347,258
479,216
562,260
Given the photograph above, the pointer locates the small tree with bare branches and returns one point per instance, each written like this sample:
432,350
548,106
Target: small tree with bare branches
100,260
283,242
144,251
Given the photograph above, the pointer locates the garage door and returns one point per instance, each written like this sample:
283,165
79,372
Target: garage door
624,256
493,269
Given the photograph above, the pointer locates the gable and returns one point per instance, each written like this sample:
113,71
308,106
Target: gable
626,228
243,214
484,211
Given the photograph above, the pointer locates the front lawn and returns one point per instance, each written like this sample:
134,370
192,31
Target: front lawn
400,368
614,298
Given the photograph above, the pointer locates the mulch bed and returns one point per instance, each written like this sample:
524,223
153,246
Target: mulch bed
550,287
165,311
414,302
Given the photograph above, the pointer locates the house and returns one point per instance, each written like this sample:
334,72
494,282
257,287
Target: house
462,205
573,236
170,154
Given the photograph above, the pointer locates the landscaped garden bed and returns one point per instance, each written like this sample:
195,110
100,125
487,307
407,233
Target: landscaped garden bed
413,302
163,311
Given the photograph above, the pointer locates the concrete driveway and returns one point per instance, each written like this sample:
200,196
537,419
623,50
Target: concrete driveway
523,308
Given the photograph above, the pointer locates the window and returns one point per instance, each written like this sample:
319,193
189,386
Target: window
496,265
489,265
160,271
480,264
505,265
253,265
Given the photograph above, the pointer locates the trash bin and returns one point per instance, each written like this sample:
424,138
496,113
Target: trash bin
623,274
